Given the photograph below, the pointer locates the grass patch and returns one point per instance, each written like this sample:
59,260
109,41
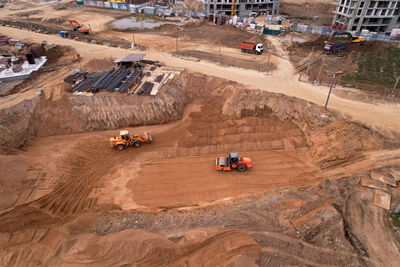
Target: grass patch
379,67
395,221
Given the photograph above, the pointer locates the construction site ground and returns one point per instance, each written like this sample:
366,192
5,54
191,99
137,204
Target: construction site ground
343,64
67,198
305,12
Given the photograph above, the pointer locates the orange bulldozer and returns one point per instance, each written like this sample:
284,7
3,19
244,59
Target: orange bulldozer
125,140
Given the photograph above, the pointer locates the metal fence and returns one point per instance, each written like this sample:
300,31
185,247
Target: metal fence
327,31
106,4
134,8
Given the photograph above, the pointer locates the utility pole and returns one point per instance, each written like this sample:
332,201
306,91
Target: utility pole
309,62
133,41
395,85
330,90
220,55
269,56
319,72
176,41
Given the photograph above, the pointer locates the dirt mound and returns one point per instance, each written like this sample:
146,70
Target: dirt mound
293,227
99,65
61,54
131,247
59,113
15,122
52,117
328,136
341,140
12,180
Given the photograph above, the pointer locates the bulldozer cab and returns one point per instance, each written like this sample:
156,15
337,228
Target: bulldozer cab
124,135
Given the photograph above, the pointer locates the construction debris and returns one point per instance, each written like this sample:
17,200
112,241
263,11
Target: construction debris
86,83
144,80
76,76
130,60
365,181
130,81
395,173
382,199
10,70
20,67
380,176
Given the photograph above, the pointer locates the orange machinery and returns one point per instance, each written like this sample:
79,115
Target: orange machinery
125,140
233,161
78,27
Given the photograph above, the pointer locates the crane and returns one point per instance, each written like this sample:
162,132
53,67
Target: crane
234,8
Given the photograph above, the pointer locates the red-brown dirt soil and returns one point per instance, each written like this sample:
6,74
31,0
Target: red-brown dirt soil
304,11
277,148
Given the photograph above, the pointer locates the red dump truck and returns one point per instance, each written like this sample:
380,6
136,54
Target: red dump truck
333,48
253,48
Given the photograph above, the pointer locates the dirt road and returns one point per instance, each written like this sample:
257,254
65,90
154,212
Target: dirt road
283,80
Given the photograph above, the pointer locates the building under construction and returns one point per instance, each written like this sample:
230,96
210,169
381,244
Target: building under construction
242,7
377,16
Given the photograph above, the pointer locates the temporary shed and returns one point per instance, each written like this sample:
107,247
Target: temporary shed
130,60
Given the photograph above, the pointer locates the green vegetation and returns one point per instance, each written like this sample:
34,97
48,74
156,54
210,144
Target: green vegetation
379,67
395,219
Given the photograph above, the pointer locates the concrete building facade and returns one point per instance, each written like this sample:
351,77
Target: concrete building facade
377,16
243,7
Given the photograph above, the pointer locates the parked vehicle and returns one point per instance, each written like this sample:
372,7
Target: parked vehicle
333,48
253,48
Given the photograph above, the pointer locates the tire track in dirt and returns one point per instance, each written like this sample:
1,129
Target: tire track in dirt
280,248
183,173
369,228
80,173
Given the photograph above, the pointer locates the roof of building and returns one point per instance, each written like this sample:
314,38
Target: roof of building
131,58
